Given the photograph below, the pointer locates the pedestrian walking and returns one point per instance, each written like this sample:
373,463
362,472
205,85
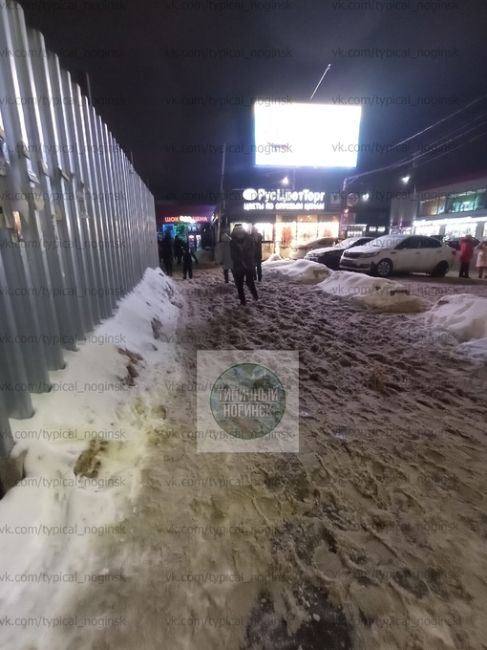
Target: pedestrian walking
188,256
223,256
178,249
167,253
242,248
467,248
258,253
481,262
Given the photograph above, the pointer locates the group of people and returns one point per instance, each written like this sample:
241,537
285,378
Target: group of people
241,253
179,250
467,251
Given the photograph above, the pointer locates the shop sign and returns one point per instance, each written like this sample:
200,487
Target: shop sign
185,219
271,200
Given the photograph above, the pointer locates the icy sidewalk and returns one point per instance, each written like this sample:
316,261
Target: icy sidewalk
85,450
371,537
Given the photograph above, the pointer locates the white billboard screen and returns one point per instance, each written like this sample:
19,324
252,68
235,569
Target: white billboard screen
306,135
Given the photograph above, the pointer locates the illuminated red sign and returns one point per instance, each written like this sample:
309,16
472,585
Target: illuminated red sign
185,219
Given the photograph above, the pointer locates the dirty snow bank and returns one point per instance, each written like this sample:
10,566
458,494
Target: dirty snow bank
297,270
84,451
380,293
463,315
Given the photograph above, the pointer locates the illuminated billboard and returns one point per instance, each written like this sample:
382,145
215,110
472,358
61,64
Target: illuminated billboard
306,135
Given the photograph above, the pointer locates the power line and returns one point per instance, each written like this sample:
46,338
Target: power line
443,140
444,119
458,147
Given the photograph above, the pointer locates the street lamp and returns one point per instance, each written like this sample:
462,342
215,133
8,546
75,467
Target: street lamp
285,181
366,196
406,179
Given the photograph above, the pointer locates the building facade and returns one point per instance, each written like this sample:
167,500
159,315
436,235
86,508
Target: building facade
285,218
450,211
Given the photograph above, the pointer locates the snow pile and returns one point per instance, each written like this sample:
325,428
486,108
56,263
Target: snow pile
379,293
463,315
298,270
84,452
475,350
273,258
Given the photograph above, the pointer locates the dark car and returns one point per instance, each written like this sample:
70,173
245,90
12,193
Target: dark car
454,242
330,256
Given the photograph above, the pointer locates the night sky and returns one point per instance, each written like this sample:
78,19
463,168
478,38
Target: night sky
174,79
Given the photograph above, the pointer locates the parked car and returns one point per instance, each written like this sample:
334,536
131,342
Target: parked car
298,252
330,256
399,253
454,242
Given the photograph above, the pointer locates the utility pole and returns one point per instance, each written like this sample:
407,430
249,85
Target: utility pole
222,198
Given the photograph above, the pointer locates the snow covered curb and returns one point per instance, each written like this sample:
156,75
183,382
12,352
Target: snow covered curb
386,295
84,453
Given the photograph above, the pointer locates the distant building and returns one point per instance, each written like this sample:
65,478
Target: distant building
451,210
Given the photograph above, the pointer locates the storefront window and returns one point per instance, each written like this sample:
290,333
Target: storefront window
428,208
466,201
428,228
329,228
266,229
481,201
245,225
460,229
432,207
306,229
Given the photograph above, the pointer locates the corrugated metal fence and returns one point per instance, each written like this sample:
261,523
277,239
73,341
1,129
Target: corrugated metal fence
77,225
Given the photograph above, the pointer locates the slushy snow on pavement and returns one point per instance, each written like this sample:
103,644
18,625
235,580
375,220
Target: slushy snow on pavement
84,451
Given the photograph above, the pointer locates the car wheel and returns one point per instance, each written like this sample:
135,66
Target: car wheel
440,270
384,268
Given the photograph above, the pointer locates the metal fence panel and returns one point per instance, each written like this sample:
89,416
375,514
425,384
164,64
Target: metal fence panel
77,225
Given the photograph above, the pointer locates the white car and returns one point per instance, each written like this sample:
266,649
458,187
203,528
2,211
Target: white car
399,254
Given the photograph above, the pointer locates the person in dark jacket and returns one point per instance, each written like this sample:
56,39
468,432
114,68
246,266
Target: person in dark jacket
242,249
166,253
188,257
467,247
178,249
258,253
